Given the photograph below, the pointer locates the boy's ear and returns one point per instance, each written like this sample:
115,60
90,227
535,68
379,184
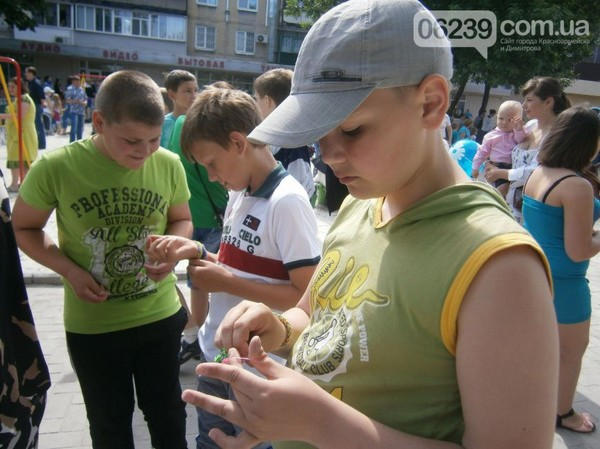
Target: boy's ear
435,93
98,121
237,142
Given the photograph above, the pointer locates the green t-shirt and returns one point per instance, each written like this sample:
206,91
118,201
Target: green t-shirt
385,300
104,213
203,212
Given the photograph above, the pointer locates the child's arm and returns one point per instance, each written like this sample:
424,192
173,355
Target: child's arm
28,224
179,223
215,278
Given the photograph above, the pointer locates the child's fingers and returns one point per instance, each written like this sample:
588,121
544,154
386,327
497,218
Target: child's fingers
226,409
244,440
150,240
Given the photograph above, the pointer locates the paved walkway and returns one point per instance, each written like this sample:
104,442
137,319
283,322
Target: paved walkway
65,424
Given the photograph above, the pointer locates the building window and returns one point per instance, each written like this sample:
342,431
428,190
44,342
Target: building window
207,2
290,42
248,5
122,21
140,25
244,42
56,15
84,17
65,13
103,20
205,37
136,23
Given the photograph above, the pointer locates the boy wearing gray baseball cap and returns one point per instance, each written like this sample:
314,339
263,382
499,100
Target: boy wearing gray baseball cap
429,318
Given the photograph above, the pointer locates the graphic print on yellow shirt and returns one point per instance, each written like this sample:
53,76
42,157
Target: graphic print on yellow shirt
335,301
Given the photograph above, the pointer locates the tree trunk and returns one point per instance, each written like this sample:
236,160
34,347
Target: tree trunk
457,95
485,99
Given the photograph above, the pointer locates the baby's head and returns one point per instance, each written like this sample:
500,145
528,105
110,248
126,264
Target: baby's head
508,115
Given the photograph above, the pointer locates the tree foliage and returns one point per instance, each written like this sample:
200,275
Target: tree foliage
19,13
312,8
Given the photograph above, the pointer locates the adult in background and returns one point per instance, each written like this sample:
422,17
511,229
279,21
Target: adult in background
544,99
559,209
36,91
76,98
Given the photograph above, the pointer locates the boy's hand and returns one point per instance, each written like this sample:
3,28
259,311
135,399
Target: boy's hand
170,248
85,286
245,320
208,276
158,271
282,405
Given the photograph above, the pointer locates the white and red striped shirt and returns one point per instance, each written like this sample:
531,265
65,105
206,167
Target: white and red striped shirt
265,235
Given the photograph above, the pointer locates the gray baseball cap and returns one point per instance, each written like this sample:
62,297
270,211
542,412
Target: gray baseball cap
354,48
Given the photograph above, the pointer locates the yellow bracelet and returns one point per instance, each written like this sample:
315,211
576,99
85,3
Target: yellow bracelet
288,329
201,250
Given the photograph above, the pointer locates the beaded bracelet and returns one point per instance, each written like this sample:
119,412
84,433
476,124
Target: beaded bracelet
288,329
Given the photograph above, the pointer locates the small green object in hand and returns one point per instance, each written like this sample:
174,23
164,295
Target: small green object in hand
222,355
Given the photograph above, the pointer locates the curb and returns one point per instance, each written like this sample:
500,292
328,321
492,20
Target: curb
55,279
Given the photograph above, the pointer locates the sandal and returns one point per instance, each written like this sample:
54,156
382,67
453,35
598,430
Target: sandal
581,428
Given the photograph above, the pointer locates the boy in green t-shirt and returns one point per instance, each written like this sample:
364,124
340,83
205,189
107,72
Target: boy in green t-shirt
122,316
429,321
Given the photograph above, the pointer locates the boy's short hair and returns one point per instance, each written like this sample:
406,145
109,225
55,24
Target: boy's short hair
215,114
130,95
221,84
175,77
31,69
275,83
354,48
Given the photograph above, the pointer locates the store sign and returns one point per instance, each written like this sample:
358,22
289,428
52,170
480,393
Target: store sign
118,55
40,47
200,62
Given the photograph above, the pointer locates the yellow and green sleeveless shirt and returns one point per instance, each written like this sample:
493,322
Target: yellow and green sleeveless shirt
385,300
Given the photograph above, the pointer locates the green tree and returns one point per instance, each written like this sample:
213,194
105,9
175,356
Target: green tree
312,8
512,68
20,13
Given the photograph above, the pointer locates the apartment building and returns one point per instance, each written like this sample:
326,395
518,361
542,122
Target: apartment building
232,40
